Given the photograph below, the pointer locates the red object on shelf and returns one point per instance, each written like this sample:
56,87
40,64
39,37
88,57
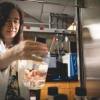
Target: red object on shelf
27,27
41,28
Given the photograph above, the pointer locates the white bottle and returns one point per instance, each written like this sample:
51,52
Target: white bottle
36,72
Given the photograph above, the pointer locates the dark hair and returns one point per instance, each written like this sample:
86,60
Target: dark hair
5,9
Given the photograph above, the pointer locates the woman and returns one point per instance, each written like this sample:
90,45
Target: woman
14,51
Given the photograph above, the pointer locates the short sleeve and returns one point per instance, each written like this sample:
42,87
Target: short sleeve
2,47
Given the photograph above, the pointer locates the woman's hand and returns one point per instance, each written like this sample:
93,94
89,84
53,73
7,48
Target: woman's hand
27,48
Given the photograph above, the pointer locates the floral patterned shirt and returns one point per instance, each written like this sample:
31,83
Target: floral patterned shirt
13,90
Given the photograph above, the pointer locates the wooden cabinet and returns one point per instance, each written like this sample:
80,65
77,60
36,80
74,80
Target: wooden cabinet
72,86
67,88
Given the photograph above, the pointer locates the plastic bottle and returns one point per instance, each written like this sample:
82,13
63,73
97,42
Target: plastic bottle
36,72
80,93
52,91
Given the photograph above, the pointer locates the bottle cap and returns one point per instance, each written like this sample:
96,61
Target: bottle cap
60,97
80,91
52,90
41,39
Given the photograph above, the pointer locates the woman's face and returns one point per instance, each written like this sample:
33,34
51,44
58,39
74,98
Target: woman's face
11,26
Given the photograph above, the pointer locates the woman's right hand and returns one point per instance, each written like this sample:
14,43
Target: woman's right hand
25,49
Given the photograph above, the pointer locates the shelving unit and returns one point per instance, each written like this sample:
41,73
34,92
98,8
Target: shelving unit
48,30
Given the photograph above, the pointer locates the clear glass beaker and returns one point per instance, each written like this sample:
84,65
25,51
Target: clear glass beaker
35,73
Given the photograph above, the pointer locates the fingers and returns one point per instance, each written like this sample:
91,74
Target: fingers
39,53
34,55
27,48
32,43
36,47
34,58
